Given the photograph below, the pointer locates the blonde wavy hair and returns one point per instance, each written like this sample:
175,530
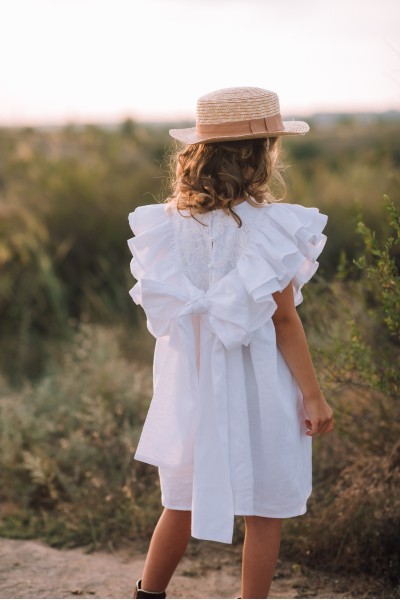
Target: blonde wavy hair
205,177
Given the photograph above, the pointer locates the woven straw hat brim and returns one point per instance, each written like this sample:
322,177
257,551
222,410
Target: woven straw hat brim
189,135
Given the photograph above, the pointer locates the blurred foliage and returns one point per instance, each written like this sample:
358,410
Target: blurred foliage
344,169
65,195
75,355
381,269
354,512
67,473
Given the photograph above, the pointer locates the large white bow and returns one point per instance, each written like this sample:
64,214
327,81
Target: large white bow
187,422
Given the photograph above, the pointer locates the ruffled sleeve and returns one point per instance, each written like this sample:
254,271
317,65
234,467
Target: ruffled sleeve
151,247
287,242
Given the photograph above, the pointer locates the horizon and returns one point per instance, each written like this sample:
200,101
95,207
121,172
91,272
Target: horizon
316,116
81,119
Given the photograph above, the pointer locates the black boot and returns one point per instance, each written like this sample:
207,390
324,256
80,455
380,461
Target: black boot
140,593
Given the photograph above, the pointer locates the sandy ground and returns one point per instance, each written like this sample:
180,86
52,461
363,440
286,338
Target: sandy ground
31,569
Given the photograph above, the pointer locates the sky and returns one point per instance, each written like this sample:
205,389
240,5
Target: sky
64,61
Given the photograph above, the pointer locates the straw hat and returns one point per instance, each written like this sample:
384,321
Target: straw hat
236,114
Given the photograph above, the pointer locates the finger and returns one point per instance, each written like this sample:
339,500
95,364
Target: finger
314,427
310,427
325,425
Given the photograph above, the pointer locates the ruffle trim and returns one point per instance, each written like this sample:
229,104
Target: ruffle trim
152,247
285,248
287,240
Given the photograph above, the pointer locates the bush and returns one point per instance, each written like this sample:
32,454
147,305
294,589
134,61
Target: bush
353,522
67,473
64,203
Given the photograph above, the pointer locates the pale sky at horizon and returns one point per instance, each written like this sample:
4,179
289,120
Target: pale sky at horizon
105,60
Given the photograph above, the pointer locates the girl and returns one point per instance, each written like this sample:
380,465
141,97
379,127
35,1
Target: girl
219,269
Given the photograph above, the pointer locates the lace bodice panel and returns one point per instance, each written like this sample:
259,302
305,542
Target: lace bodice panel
209,250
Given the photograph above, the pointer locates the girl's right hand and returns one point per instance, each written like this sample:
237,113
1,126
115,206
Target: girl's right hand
320,415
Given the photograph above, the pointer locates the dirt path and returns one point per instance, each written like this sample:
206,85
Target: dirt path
31,569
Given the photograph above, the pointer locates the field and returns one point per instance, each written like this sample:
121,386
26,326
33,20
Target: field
75,355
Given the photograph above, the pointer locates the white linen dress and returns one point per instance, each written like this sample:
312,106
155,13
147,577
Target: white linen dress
225,425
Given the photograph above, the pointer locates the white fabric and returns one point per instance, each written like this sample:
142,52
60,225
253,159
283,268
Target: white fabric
225,403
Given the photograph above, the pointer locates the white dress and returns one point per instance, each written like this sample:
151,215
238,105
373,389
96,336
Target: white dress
226,422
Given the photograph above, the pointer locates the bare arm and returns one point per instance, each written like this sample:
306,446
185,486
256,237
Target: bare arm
293,345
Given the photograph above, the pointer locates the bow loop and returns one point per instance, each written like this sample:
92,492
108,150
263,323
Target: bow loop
232,323
198,303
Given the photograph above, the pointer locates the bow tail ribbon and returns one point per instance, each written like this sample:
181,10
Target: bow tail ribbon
213,507
187,423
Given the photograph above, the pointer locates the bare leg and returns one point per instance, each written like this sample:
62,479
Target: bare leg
168,544
260,553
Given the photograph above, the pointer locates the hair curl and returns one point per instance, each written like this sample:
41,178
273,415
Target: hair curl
219,174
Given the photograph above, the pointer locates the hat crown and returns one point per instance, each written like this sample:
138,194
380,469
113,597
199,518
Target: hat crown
236,104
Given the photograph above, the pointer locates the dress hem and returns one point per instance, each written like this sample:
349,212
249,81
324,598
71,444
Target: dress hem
155,462
256,513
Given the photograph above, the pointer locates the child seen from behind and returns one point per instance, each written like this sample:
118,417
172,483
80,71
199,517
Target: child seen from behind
236,402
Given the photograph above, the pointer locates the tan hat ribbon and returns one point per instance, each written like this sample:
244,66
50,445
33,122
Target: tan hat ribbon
249,126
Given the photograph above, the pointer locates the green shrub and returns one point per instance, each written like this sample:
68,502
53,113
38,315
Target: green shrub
64,203
67,473
353,522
